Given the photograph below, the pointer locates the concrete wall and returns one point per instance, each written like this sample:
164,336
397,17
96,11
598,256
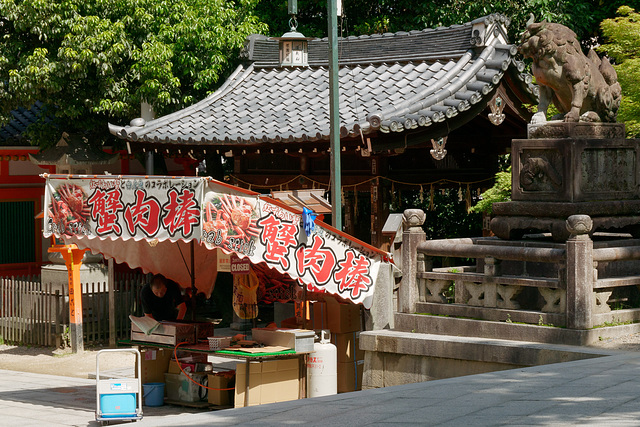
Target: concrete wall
389,369
394,357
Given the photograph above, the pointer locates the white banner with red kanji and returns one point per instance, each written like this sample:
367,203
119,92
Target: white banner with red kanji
218,216
145,208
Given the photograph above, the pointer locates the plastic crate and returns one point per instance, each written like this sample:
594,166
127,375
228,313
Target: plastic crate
218,343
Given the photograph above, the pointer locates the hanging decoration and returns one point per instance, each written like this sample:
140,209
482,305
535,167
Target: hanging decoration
431,196
393,192
438,151
355,202
308,221
496,105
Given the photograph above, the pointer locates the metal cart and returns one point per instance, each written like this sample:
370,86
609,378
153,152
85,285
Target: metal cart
118,399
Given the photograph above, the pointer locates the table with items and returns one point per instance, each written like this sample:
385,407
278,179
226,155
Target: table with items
274,368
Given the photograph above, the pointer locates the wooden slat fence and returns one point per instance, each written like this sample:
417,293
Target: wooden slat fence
35,313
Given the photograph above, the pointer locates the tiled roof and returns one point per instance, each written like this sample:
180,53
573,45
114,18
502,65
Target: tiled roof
12,132
73,150
388,83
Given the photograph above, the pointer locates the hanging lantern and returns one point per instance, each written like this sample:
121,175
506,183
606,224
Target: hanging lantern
293,48
293,45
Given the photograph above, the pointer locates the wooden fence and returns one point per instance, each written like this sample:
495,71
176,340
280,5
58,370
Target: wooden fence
36,313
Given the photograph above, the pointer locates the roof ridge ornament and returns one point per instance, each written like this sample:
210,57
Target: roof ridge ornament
485,29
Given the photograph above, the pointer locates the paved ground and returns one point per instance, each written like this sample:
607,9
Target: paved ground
603,391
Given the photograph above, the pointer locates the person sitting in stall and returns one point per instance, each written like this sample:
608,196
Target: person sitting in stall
162,300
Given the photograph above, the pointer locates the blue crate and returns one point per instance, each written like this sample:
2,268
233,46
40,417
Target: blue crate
118,405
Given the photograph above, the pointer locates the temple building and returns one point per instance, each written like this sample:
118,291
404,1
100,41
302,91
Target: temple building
418,110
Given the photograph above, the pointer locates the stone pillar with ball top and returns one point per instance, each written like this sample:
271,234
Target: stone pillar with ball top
413,234
580,273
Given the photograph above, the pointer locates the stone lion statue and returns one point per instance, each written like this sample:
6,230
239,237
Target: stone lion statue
583,88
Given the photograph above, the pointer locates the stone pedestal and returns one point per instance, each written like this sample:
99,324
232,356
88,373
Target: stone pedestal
566,169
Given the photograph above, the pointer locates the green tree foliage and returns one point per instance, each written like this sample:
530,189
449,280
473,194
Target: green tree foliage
379,16
500,192
447,219
94,61
623,47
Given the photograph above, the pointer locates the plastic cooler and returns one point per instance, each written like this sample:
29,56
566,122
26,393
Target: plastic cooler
118,398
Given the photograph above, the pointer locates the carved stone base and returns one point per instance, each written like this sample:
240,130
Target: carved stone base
560,129
574,169
514,227
569,169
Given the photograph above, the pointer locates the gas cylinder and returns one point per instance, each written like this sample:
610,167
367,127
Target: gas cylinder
322,366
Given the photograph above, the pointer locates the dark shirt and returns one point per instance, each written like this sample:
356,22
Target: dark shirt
161,308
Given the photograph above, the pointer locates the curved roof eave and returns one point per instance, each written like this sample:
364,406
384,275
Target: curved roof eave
260,104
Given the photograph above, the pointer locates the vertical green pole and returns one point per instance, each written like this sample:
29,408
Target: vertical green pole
334,116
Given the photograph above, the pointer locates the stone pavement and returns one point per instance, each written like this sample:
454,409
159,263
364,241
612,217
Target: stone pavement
602,391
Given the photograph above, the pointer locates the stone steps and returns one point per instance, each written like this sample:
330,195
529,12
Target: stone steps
452,326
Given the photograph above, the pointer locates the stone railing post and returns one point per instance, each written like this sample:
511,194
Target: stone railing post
412,235
579,273
491,270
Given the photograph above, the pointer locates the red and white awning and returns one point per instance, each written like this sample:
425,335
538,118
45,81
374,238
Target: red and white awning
150,222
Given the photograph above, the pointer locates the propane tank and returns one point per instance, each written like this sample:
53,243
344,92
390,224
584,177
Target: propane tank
322,366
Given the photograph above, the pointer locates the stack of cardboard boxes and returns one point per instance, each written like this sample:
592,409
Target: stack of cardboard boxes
269,382
344,322
157,366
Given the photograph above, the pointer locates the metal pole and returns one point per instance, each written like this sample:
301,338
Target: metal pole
112,304
147,113
149,161
194,290
334,116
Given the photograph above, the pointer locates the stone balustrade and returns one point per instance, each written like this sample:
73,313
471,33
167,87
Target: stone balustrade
530,281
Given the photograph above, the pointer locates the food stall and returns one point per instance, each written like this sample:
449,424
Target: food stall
179,226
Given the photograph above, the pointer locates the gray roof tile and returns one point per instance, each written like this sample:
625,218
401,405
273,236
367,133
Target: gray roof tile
389,82
12,132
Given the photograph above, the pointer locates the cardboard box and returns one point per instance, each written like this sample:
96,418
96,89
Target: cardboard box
319,318
269,382
182,389
219,380
350,376
170,333
154,364
348,346
301,340
280,381
343,318
255,382
175,369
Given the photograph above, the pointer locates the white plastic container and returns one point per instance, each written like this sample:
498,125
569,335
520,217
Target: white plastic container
322,368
